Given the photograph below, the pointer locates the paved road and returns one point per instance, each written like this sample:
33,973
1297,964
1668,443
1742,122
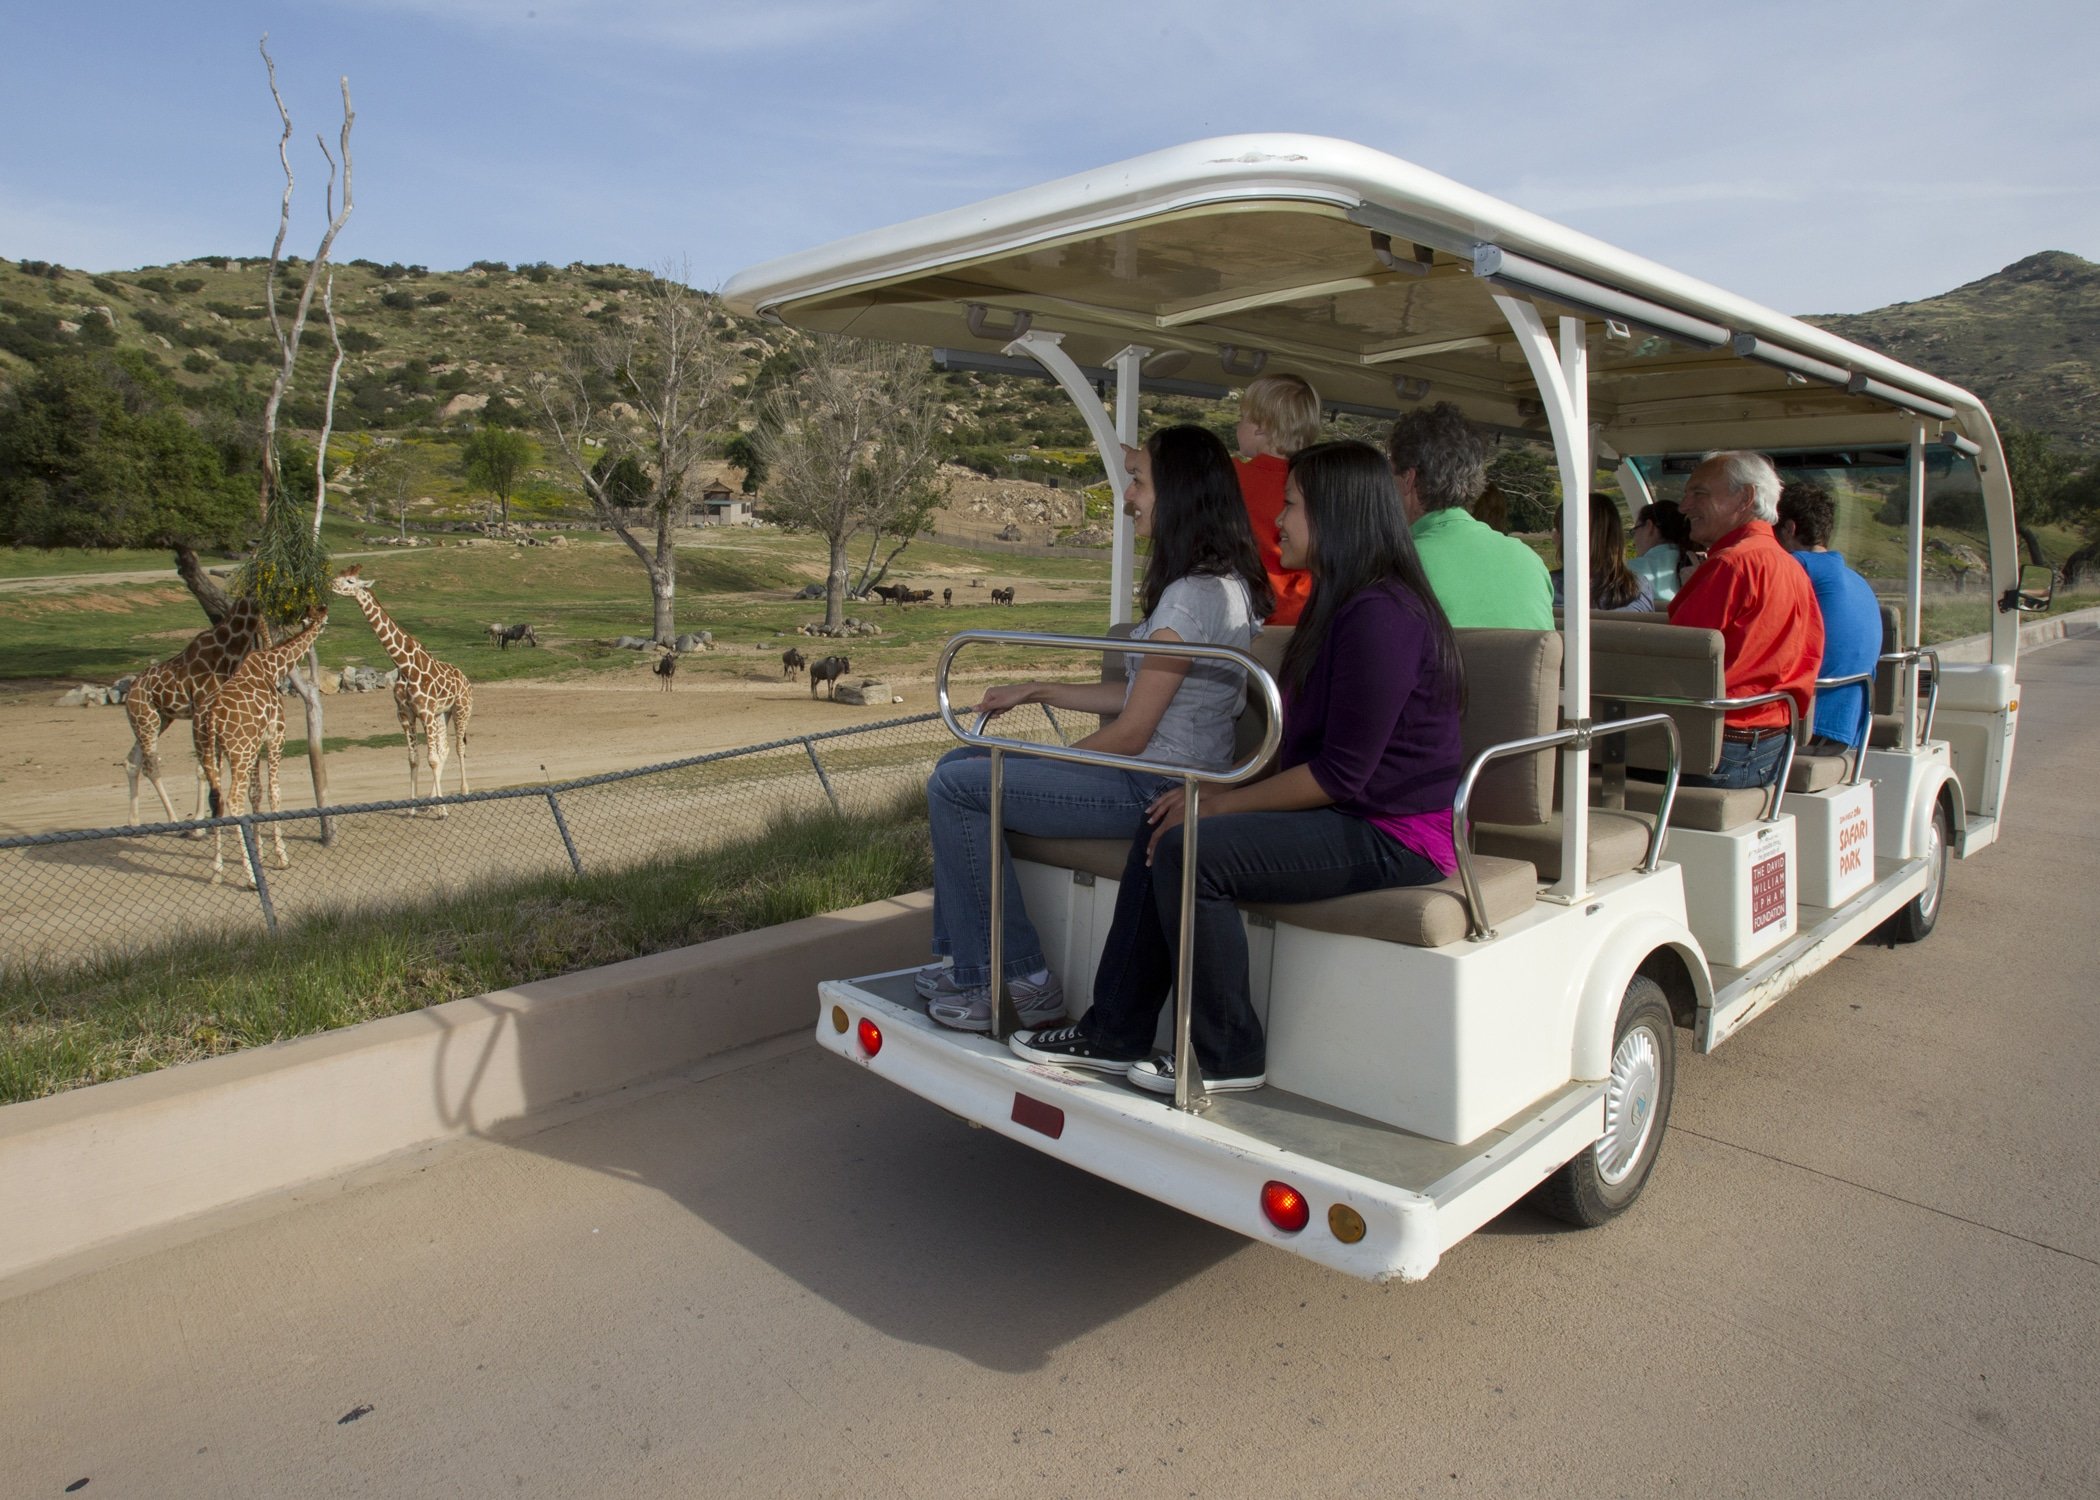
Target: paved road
1868,1264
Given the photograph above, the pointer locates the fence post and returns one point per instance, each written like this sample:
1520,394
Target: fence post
826,780
262,881
575,859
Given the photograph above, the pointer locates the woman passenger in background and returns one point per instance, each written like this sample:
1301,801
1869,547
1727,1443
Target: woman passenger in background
1360,798
1614,587
1663,552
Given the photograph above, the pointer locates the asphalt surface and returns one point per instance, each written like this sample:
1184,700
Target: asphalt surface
1868,1264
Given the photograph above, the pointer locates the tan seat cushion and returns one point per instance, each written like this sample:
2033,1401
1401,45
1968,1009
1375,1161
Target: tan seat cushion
1618,841
1633,658
1421,916
1817,773
1102,857
1886,733
1711,809
1512,693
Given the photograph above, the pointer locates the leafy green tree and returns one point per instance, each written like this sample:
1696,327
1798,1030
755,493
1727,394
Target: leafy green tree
493,459
1530,481
2039,471
744,451
96,451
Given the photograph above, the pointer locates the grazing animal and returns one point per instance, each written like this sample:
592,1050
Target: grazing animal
243,721
428,694
830,670
890,593
666,668
792,661
173,689
1002,596
917,596
947,597
496,630
519,633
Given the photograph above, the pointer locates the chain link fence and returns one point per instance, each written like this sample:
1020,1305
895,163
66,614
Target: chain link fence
71,896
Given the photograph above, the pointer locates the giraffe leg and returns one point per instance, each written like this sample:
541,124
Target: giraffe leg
146,725
462,712
435,730
275,747
237,776
408,733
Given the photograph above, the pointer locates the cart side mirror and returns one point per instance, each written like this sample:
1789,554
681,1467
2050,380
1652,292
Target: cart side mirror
2036,589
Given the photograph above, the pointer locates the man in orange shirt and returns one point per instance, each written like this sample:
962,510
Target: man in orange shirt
1279,414
1760,600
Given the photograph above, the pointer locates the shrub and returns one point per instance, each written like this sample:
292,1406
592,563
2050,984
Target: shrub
197,362
216,262
159,284
190,284
357,341
537,271
399,301
436,299
165,324
234,313
492,267
107,287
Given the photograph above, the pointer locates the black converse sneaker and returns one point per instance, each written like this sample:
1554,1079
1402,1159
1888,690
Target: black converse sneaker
1156,1075
1068,1047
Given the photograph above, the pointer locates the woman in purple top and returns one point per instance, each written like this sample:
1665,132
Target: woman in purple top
1360,798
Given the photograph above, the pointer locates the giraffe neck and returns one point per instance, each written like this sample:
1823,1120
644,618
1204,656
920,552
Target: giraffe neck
272,662
404,648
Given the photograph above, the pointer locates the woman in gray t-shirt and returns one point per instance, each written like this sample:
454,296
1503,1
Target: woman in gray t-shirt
1203,583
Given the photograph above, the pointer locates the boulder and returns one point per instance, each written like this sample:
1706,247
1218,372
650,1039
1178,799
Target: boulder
121,689
865,692
811,591
81,697
632,643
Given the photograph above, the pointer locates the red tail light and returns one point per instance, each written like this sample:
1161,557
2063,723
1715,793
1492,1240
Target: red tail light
870,1037
1285,1205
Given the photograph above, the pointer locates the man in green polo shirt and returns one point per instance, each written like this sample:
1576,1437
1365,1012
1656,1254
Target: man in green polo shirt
1484,580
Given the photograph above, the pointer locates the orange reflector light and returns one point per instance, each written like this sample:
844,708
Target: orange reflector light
838,1019
1285,1206
1037,1115
1346,1222
870,1037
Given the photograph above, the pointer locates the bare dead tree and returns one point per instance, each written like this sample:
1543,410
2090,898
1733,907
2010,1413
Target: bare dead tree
320,274
851,445
649,389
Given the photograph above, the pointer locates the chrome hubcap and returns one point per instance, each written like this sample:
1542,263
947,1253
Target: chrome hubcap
1629,1104
1936,850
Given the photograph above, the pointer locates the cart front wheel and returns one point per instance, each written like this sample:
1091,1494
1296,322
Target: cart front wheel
1605,1179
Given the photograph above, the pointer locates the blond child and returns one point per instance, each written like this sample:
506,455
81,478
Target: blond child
1279,414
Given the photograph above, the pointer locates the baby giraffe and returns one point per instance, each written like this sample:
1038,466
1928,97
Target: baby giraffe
245,719
428,694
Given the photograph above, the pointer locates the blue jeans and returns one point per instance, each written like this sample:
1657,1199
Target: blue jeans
1743,764
1260,856
1048,798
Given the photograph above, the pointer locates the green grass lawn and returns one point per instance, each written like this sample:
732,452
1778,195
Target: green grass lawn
64,1027
578,597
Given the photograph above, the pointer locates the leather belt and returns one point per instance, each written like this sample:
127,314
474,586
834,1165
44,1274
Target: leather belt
1752,736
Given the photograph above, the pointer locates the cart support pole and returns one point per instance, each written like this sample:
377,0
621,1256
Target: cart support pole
1190,1097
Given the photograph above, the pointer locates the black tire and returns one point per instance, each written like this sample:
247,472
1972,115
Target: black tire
1915,922
1604,1180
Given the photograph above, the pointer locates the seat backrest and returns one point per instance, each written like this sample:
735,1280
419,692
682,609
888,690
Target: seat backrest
1512,693
1630,658
1267,649
1888,678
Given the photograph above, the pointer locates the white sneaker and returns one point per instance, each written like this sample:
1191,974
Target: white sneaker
1156,1075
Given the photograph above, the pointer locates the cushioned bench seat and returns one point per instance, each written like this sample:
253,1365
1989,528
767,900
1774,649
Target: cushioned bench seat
1710,809
1426,916
1618,841
1816,773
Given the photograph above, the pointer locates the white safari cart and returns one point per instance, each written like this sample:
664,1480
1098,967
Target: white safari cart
1437,1054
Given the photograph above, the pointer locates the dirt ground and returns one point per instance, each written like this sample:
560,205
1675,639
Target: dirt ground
64,767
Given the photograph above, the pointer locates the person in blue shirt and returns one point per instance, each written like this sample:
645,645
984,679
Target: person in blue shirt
1851,616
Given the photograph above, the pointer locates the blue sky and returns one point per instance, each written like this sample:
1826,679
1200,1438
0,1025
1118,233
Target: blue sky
1818,157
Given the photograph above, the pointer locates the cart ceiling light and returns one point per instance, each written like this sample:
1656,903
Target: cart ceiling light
1533,278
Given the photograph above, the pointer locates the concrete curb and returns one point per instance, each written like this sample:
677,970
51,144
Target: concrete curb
2041,633
99,1164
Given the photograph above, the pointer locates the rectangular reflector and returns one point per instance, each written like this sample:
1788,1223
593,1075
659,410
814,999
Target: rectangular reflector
1036,1115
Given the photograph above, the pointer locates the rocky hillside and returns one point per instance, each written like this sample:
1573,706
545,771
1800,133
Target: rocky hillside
2026,339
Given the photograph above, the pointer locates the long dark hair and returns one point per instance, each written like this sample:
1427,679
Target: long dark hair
1612,584
1359,540
1199,521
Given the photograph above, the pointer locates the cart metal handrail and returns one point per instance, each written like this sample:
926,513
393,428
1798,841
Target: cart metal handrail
1189,1093
1866,716
1793,728
1924,654
1477,929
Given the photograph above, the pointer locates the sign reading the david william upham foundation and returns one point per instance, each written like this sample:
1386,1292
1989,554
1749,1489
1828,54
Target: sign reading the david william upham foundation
1767,892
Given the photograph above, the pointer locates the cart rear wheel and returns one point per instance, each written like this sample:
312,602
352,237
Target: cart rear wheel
1605,1179
1915,922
